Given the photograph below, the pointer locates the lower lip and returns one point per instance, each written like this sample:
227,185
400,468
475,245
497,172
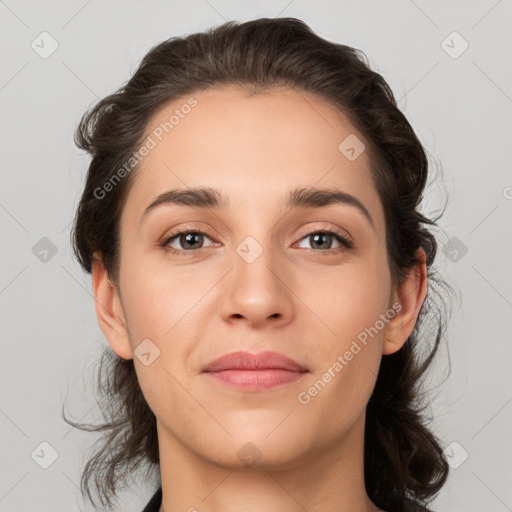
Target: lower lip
255,380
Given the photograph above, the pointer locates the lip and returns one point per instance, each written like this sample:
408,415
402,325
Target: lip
242,360
254,372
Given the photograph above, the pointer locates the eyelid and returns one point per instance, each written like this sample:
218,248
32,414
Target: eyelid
184,229
347,239
302,232
323,226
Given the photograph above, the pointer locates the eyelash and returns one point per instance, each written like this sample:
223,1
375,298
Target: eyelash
346,244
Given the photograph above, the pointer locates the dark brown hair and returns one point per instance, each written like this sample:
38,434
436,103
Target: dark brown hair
403,459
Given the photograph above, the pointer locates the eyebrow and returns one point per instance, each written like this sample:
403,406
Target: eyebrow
207,197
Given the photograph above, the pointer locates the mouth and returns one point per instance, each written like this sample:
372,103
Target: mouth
254,372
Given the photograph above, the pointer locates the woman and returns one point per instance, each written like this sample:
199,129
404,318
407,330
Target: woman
260,270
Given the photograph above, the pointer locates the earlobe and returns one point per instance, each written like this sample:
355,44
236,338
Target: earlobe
109,310
410,294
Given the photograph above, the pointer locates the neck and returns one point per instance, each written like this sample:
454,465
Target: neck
331,479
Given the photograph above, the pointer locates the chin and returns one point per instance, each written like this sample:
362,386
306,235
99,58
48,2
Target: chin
255,448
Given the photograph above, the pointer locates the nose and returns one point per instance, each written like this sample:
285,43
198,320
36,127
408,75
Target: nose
258,293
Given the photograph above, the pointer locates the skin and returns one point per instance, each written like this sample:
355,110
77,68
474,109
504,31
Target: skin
299,299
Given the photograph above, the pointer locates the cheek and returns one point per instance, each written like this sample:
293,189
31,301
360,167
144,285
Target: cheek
152,298
150,311
357,299
350,360
156,309
357,296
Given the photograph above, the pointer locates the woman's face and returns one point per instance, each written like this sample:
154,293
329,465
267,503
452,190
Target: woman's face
262,277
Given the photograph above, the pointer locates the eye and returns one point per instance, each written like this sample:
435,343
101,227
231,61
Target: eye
323,240
190,242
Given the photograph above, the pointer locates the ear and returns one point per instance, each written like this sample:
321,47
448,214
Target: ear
109,309
410,294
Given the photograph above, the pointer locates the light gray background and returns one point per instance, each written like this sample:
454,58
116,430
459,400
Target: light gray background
460,108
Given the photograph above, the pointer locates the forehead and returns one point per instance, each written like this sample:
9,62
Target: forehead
255,148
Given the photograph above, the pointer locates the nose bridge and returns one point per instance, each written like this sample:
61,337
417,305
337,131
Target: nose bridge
257,287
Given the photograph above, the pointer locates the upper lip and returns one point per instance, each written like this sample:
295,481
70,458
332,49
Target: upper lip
241,360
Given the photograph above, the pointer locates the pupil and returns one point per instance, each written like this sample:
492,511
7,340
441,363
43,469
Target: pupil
189,238
319,235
